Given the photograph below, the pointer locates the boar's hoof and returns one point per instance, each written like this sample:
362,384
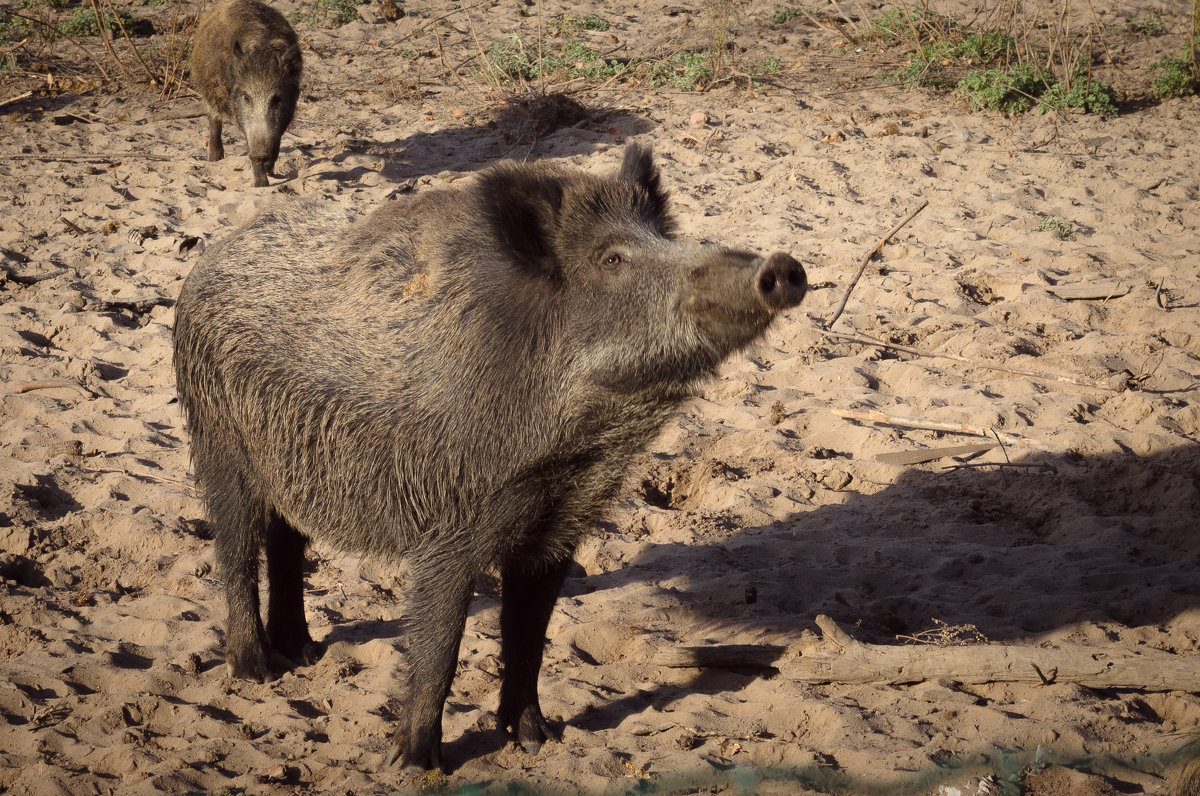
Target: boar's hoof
303,652
782,281
414,764
249,665
530,730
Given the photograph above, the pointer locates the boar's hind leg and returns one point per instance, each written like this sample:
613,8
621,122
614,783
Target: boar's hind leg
438,601
527,599
239,523
287,631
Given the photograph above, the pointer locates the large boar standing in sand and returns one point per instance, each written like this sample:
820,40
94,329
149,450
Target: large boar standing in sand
462,377
246,66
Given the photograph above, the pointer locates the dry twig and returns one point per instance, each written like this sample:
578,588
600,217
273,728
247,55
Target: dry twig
836,657
862,266
875,416
1034,374
48,384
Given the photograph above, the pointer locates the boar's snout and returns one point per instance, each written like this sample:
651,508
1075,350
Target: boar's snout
781,281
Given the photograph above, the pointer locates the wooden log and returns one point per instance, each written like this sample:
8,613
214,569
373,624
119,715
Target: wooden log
836,657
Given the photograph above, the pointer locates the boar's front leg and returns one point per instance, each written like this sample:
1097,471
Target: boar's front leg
287,630
528,594
438,601
216,150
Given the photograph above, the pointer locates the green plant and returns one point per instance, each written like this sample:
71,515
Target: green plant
789,13
405,52
686,71
770,66
13,28
82,21
1180,75
511,60
328,13
1059,228
1007,90
44,3
985,47
1093,96
1148,24
916,25
567,25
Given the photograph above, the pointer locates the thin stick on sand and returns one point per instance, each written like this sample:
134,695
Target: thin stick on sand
1033,374
18,97
875,416
836,657
862,266
48,384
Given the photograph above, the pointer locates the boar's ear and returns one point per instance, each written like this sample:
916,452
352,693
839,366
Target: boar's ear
519,207
638,167
237,49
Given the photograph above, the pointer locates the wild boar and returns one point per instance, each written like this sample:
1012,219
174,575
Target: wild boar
463,378
246,65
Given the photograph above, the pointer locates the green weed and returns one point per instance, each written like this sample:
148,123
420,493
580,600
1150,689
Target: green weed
686,71
328,13
768,67
82,21
1147,24
1180,76
1059,228
1093,96
566,25
511,60
13,28
1005,90
985,47
787,14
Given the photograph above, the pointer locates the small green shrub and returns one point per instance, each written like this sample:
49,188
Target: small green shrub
511,60
787,14
567,25
82,21
13,28
1005,90
44,3
1015,90
985,47
1148,24
1094,96
768,67
1179,76
917,25
686,71
1059,228
328,13
405,52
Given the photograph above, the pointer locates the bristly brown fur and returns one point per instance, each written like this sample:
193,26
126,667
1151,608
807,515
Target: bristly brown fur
246,66
461,377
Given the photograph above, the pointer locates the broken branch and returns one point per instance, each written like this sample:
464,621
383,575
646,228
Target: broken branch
1034,374
875,416
862,266
836,657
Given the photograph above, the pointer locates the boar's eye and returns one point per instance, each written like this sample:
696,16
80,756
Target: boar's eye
614,259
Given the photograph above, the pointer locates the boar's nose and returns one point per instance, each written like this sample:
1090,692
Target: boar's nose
781,281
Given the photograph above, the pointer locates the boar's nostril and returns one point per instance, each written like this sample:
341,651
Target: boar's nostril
767,283
782,281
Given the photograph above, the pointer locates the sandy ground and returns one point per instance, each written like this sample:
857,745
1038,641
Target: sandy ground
757,509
